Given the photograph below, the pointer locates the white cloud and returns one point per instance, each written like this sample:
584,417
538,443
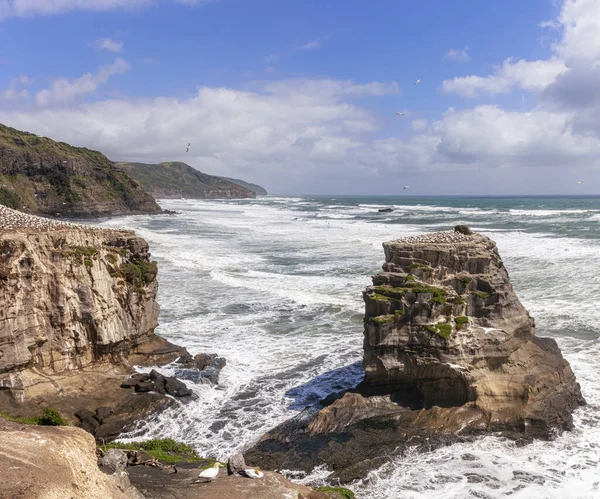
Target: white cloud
530,75
418,125
13,93
108,44
312,45
458,55
28,8
63,90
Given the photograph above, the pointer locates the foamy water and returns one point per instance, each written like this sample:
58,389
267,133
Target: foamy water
274,285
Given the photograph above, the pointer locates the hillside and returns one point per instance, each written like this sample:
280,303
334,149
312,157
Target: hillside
175,179
257,189
44,177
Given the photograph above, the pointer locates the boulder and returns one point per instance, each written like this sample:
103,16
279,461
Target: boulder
385,210
235,464
176,388
114,460
144,386
102,413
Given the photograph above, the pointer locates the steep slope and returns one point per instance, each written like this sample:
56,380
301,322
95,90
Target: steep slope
257,189
175,179
41,176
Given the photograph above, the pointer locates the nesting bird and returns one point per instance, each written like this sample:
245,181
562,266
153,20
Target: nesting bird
253,473
17,220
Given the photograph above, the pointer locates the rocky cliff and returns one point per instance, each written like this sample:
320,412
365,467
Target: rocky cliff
44,177
77,309
449,353
175,180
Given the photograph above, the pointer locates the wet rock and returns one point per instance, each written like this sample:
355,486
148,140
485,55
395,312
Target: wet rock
176,388
235,464
133,380
144,386
385,210
114,460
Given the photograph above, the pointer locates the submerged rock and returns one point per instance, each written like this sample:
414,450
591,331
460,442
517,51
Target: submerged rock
449,353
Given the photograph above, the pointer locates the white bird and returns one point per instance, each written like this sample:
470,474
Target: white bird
254,473
216,156
399,113
406,187
418,81
188,147
210,473
579,183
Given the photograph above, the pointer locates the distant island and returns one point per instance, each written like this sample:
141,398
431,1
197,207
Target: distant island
175,179
41,176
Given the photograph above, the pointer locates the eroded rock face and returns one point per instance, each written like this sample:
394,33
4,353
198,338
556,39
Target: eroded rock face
449,353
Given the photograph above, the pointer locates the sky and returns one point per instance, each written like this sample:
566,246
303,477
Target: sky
301,97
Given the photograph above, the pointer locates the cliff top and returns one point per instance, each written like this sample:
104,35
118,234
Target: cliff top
17,221
441,237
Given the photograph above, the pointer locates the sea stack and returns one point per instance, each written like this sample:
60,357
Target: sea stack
449,353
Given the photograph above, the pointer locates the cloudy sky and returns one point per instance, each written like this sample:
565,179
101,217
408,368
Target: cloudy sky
301,97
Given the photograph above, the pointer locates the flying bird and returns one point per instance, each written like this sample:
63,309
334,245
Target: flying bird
253,473
418,81
405,187
579,183
216,156
210,473
399,113
188,147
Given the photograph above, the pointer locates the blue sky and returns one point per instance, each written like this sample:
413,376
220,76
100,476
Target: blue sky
302,96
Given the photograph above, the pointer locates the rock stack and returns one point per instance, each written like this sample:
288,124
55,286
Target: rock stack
449,353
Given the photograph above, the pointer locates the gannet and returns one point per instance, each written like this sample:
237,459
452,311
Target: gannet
188,147
406,187
399,113
579,183
216,156
418,81
253,473
210,473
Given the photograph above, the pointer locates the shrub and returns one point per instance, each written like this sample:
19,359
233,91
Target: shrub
342,492
10,198
461,321
51,417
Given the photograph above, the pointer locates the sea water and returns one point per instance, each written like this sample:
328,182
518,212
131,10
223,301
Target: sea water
274,285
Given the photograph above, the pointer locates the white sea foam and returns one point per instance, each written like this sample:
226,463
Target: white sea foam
276,289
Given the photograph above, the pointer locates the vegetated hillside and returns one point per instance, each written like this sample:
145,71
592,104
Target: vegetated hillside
257,189
175,179
41,176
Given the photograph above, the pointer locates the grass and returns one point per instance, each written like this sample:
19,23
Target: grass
10,198
459,300
482,294
461,321
466,280
138,273
442,330
383,319
341,491
49,417
441,300
164,449
420,266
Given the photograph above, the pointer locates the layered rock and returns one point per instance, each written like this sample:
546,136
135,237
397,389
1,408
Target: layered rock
77,310
449,352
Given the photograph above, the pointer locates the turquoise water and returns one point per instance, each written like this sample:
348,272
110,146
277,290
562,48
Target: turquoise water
274,285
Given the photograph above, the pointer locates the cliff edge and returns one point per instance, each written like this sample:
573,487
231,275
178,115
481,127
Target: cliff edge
449,353
77,309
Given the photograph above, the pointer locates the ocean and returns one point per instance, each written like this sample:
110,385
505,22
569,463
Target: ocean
274,285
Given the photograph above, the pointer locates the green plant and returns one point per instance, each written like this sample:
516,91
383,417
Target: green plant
484,295
111,258
10,198
459,300
461,321
440,300
88,263
466,280
342,492
383,319
164,449
49,417
409,277
442,330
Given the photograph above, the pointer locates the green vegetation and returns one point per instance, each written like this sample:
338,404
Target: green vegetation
466,280
88,263
10,198
436,292
409,277
138,273
440,300
420,266
442,330
341,491
482,294
111,258
461,321
164,449
391,292
459,300
383,319
179,179
49,417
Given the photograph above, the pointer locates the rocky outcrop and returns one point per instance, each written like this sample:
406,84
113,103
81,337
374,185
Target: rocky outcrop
449,353
50,462
175,179
44,177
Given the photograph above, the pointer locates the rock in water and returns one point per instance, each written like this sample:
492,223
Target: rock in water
449,352
236,464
